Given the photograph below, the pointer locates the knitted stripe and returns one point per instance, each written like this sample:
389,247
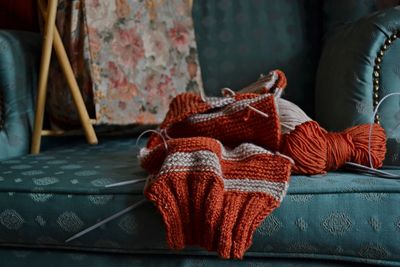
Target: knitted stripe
276,190
223,119
243,151
229,110
217,102
204,199
236,120
152,159
269,83
207,161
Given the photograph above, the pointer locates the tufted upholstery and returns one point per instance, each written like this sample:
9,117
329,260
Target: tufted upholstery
19,57
346,94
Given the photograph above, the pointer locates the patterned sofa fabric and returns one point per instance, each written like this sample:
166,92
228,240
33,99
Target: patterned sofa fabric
32,257
45,199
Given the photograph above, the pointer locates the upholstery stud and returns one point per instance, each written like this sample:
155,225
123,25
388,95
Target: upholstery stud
377,68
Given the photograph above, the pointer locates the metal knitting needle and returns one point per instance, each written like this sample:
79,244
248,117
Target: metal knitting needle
134,181
380,173
112,217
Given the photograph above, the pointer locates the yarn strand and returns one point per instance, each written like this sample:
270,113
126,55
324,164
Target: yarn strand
371,126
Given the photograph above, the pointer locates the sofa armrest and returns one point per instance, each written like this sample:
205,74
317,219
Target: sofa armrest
19,64
360,64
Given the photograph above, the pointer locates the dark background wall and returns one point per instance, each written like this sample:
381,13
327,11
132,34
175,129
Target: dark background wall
19,15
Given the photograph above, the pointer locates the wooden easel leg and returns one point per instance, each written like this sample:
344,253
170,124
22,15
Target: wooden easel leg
43,75
72,83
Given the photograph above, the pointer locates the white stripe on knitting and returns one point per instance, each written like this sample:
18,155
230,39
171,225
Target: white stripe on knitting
206,157
243,151
191,169
275,189
207,161
235,107
266,81
202,159
217,102
240,152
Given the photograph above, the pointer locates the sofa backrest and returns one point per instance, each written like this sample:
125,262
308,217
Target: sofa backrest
239,40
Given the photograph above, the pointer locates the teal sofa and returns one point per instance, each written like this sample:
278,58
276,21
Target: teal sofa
337,219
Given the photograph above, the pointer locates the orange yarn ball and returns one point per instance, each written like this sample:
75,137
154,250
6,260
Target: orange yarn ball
316,151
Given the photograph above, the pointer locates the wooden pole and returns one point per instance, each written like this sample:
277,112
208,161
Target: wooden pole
72,83
43,75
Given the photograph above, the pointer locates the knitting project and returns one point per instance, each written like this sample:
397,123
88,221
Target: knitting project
219,165
215,178
212,196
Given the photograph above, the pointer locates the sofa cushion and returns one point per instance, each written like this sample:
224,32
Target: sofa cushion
45,257
47,198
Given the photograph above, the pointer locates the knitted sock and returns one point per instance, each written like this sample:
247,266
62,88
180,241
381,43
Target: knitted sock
214,197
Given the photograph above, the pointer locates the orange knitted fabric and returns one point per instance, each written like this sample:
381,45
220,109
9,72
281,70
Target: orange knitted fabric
223,118
215,197
211,196
273,82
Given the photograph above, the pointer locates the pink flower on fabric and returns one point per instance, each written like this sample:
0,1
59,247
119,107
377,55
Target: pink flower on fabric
117,77
101,14
157,46
179,36
121,87
95,41
128,46
164,84
158,84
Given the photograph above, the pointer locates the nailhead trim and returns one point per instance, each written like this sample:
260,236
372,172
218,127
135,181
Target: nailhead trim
377,71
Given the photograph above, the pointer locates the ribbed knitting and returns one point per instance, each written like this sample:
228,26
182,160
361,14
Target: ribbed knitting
211,196
213,176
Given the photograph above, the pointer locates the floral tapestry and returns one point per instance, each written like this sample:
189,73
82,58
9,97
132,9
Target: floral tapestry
130,57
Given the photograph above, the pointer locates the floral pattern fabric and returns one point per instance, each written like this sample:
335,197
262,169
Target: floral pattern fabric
130,57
